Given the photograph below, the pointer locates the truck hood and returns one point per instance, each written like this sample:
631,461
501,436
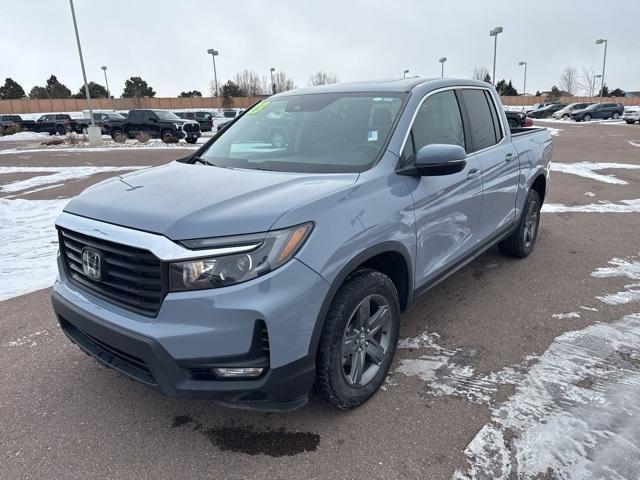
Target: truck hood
183,201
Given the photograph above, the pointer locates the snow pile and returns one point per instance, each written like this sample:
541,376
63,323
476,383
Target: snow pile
29,245
22,136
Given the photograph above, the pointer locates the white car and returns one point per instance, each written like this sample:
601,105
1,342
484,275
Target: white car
631,115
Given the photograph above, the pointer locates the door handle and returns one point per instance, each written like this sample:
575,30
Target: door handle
509,157
473,173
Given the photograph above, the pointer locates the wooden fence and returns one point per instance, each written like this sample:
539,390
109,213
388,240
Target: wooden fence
76,105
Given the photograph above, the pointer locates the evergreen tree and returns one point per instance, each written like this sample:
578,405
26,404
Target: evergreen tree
136,87
11,90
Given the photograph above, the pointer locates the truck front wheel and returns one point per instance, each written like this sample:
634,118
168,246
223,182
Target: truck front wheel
358,339
118,135
169,137
521,242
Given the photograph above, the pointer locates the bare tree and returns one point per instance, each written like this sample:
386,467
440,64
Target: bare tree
587,81
282,82
481,73
569,80
251,84
322,78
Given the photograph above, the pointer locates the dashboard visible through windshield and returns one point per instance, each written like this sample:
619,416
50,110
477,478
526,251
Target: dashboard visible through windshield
315,133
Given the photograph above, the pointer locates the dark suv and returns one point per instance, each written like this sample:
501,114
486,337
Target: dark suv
204,119
157,124
599,110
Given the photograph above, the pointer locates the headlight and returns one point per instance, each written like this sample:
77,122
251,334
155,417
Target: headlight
178,126
274,249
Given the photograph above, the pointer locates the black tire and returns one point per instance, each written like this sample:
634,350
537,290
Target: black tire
60,130
630,122
191,140
521,242
587,118
118,135
333,385
565,117
615,115
168,136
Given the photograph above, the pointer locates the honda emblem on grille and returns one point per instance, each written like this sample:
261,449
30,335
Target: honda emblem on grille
91,263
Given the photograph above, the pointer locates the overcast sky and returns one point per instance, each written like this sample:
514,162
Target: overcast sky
165,41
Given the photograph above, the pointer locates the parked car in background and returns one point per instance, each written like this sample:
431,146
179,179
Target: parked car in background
537,106
16,121
249,274
105,120
547,111
565,113
161,124
631,115
516,119
232,113
60,123
598,111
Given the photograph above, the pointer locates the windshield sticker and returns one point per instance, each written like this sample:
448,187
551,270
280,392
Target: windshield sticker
372,136
258,108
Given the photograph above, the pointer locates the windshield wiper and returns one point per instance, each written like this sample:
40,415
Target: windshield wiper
204,161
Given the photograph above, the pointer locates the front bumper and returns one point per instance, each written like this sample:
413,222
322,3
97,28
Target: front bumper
634,117
175,352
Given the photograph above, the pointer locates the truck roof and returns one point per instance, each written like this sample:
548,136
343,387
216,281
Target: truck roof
395,85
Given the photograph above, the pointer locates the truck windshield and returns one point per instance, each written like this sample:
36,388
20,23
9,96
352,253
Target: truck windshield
315,133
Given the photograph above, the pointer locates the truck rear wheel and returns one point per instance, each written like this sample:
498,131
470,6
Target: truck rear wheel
358,339
168,137
60,130
521,242
118,135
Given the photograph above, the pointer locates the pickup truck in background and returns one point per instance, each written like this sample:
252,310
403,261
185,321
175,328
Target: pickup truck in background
518,119
60,123
249,272
16,121
161,124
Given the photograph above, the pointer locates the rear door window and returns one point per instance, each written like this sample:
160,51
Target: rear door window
482,123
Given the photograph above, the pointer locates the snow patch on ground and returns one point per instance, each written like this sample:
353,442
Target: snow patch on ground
107,147
588,170
22,136
554,131
625,268
55,175
625,206
31,340
29,245
634,143
564,316
590,194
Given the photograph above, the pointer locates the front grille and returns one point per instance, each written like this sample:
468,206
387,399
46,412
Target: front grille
130,277
191,127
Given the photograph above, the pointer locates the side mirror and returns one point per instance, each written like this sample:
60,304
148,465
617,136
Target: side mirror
437,159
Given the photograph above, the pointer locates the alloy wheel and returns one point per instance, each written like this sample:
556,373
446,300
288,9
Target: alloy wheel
366,340
531,224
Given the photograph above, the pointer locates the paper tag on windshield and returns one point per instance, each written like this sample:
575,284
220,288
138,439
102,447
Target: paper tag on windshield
372,136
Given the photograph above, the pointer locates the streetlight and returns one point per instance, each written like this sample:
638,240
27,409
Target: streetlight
404,74
600,41
442,60
524,87
104,69
213,54
95,136
273,84
593,85
494,33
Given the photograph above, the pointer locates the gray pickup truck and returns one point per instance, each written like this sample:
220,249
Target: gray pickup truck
249,272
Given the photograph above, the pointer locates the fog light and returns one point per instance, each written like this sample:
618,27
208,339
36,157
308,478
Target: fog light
238,372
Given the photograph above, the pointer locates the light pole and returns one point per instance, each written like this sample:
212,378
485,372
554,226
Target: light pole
404,74
442,60
213,54
273,84
104,69
600,41
524,86
494,33
593,85
94,138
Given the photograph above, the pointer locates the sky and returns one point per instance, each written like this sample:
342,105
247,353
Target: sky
165,41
